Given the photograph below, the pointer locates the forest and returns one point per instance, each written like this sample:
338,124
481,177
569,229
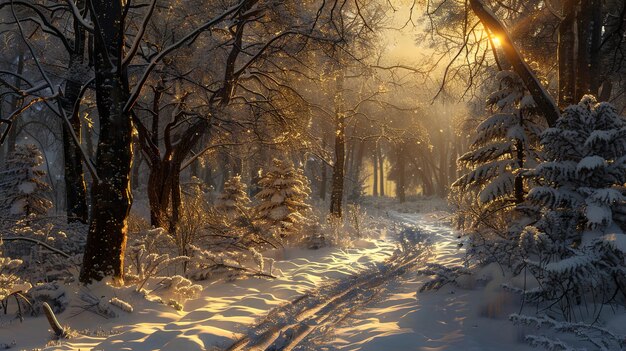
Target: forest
312,175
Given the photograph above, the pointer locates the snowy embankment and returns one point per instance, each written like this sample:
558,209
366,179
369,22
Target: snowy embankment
363,298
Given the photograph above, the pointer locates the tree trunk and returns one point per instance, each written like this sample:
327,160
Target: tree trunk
136,168
381,170
323,181
443,168
566,54
375,166
111,193
164,177
237,165
194,169
596,43
544,101
357,166
159,191
583,59
336,195
454,155
15,102
177,200
401,177
208,175
75,188
607,89
88,139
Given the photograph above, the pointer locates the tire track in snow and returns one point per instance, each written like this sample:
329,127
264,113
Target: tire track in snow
290,325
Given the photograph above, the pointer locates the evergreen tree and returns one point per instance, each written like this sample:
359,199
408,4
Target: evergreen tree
22,187
233,201
505,144
574,248
282,208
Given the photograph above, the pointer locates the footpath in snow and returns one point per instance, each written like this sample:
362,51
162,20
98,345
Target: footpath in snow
364,298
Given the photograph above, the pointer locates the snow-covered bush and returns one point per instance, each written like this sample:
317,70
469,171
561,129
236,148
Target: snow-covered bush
34,239
206,264
234,200
177,289
196,216
23,190
574,250
10,282
282,210
505,144
52,293
442,275
98,305
149,256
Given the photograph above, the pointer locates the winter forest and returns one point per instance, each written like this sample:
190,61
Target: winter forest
313,175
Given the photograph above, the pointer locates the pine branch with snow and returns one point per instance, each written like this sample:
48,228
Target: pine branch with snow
582,202
600,338
443,275
505,145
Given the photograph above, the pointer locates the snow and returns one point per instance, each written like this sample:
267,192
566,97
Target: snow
217,317
598,214
27,187
617,241
388,316
449,319
590,163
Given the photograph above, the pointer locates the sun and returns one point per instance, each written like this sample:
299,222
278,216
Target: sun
496,40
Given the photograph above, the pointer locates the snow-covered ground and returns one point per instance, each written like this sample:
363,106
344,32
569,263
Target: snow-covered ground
467,318
363,298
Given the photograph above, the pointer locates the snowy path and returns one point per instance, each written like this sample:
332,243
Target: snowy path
311,315
471,318
364,298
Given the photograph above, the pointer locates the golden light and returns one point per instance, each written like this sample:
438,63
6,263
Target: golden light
496,40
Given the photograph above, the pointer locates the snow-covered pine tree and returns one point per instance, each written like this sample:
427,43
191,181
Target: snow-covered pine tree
282,208
23,189
233,201
572,249
505,144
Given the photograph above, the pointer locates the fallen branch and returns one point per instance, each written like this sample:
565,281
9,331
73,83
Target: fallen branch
58,330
